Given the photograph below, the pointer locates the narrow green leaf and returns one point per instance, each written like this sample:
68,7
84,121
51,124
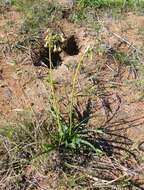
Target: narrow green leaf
48,147
81,141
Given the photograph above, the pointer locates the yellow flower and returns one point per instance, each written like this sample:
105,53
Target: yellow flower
55,48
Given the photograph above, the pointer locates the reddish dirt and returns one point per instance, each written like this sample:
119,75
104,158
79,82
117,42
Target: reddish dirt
25,87
20,86
129,27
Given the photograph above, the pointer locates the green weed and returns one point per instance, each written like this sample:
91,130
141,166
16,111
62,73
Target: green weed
109,3
138,83
126,59
19,144
36,15
71,134
115,7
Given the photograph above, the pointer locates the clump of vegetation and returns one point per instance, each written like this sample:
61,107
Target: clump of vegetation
71,134
55,145
37,15
108,3
85,9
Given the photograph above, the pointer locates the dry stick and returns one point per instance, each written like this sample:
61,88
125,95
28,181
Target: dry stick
110,68
97,179
101,182
6,177
105,182
123,40
127,172
127,42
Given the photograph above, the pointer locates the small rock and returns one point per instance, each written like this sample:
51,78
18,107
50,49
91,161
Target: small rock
8,2
8,93
67,3
141,146
2,84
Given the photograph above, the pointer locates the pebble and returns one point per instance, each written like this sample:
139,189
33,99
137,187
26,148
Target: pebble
141,146
8,93
67,3
8,2
2,84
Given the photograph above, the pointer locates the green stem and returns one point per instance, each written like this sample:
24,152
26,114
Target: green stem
53,93
72,94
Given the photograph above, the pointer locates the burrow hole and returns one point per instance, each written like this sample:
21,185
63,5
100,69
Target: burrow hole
44,58
69,47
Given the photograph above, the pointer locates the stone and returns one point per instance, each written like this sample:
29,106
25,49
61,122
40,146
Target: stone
8,93
67,3
141,146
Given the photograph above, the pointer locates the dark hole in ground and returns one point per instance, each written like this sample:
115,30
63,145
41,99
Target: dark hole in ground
40,55
42,58
66,13
71,47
